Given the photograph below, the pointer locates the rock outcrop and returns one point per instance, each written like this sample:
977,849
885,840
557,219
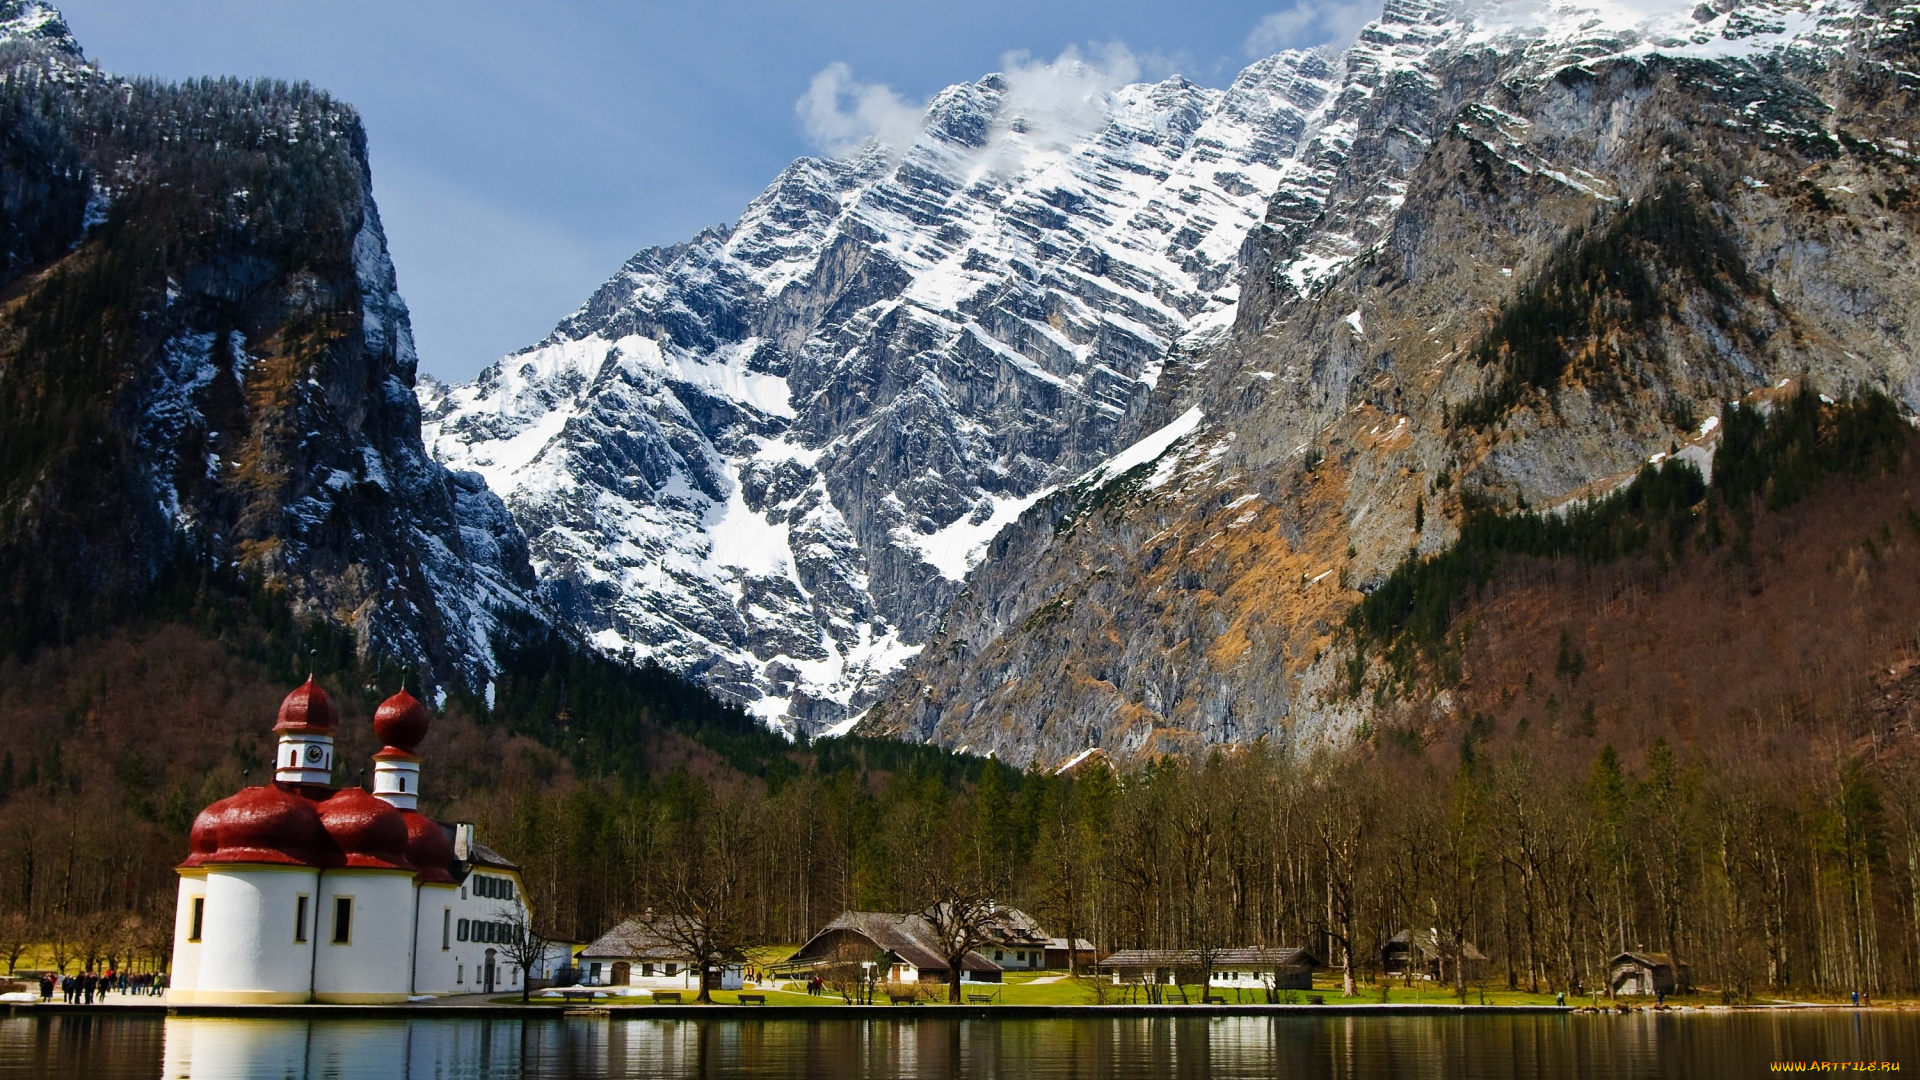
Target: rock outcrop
771,455
1521,249
205,363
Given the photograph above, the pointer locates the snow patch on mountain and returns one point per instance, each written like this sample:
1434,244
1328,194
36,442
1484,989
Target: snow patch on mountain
769,456
772,455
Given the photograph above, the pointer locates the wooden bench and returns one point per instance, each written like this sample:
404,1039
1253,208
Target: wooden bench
666,997
753,999
1216,999
908,999
980,999
568,995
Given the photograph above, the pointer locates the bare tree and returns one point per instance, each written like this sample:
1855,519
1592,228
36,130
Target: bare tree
960,916
93,935
16,935
1342,824
708,888
59,930
852,971
524,945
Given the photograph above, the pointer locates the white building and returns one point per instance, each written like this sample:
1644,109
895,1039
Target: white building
1015,941
294,891
637,954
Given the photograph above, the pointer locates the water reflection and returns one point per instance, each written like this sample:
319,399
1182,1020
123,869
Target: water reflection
1491,1047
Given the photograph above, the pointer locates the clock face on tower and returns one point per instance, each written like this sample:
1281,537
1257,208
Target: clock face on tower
314,754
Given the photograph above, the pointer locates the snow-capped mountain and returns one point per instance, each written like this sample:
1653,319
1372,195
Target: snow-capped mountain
771,455
1526,249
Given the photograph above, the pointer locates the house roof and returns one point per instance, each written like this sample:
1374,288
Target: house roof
1079,944
910,938
480,854
1651,959
635,939
1256,958
1429,944
1012,927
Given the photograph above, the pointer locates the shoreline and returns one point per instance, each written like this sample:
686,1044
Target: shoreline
763,1014
810,1013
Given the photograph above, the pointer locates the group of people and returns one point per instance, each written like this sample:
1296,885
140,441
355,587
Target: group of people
91,986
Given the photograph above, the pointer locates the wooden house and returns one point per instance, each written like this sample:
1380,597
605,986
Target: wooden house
1646,973
1245,968
1081,955
904,947
1426,956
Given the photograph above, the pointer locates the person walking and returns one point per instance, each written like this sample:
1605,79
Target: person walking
46,986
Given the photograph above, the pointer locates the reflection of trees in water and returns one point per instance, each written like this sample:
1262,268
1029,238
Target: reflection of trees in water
929,1046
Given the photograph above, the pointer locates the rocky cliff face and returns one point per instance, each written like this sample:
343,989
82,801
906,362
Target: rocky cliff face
1520,249
773,454
204,361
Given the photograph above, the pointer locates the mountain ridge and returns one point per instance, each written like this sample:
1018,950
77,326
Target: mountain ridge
882,362
1341,433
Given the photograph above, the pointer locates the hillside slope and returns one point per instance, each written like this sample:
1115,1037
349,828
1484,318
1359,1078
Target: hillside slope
1556,241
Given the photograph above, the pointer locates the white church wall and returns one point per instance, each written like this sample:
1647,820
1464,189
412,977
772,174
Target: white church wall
248,948
435,957
375,963
185,971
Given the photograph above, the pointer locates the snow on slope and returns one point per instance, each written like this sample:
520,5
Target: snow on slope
771,455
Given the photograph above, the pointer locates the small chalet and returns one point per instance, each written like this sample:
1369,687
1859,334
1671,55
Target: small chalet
905,946
1646,973
1426,956
1015,941
639,954
1245,969
1080,956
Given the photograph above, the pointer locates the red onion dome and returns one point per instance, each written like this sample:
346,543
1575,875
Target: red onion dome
204,838
370,833
401,723
260,825
429,848
308,708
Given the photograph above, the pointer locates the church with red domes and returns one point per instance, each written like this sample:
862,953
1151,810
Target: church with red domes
297,891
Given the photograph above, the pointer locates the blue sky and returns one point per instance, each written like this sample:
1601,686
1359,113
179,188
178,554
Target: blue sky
521,151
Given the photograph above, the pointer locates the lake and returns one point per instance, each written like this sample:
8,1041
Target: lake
1494,1046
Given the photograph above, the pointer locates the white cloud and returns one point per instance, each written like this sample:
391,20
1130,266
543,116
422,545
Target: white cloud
1050,104
1057,101
841,113
1309,23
